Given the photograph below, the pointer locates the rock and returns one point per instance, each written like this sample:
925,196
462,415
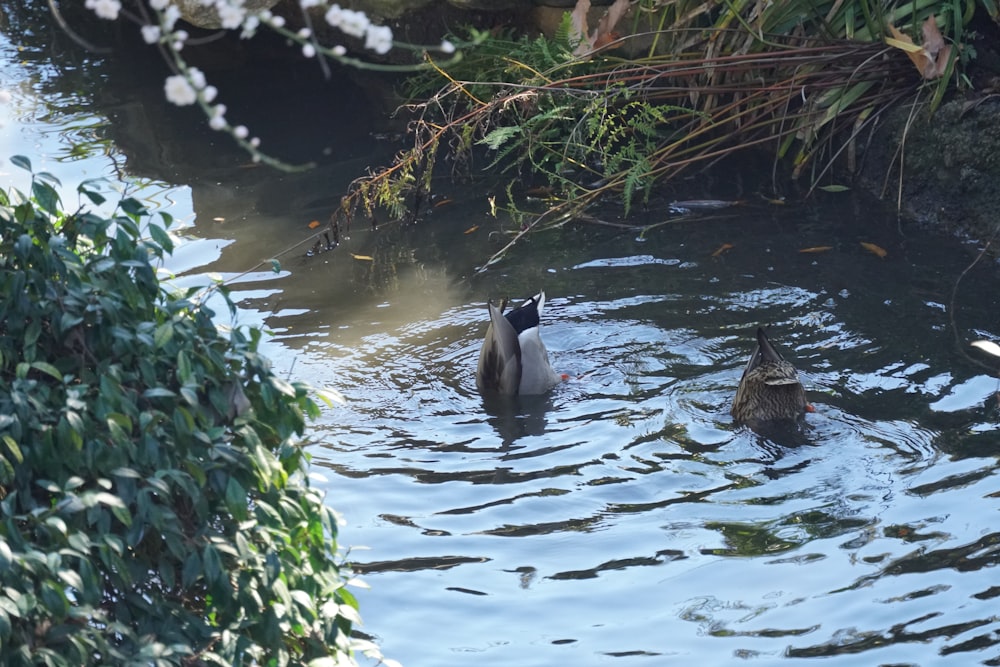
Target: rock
197,14
951,164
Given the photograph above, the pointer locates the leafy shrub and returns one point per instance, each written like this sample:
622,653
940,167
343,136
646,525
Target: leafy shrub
154,506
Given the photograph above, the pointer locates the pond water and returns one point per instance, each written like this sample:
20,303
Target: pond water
622,518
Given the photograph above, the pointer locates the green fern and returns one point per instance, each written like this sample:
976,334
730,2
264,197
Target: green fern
500,136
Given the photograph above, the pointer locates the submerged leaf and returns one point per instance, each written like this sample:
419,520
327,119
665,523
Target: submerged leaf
817,248
722,248
874,249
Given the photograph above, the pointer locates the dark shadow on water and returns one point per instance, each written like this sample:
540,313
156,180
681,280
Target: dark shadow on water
515,417
772,436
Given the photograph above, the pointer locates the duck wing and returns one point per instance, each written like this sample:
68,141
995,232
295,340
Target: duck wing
499,367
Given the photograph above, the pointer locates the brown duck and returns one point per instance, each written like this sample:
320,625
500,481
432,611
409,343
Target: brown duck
769,389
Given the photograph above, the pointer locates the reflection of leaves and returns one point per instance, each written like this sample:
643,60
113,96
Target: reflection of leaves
776,536
749,540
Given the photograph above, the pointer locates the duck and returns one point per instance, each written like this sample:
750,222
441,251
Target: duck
513,359
770,389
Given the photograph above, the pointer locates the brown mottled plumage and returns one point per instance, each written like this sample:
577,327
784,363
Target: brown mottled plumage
769,389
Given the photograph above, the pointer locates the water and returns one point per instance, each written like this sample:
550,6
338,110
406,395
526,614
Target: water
622,518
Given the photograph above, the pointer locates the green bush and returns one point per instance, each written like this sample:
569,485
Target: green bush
154,504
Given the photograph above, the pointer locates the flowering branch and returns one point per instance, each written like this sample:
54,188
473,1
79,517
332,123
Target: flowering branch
188,85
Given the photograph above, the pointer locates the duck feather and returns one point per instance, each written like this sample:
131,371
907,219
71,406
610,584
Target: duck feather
513,359
769,389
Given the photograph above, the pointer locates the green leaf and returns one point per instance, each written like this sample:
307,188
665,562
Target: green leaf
161,237
212,562
190,395
164,333
236,499
13,448
87,190
54,600
158,392
21,161
133,207
184,374
46,196
192,569
49,178
72,579
48,369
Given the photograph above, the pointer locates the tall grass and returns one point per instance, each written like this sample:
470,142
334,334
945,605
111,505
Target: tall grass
690,83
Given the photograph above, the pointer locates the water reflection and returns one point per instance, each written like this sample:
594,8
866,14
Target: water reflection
623,515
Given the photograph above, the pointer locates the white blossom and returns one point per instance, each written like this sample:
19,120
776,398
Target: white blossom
304,33
196,77
339,50
354,23
278,21
230,15
334,15
209,93
179,91
250,26
105,9
378,38
347,20
170,16
308,50
151,34
159,5
218,119
241,131
447,47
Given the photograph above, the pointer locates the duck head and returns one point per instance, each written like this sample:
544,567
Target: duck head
769,389
513,359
